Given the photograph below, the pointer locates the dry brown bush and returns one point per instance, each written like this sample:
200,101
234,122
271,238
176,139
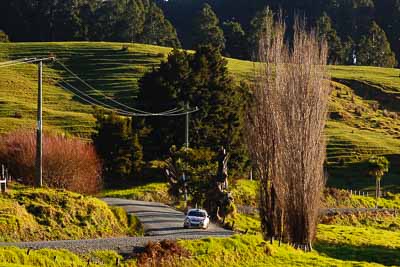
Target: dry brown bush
68,163
164,253
286,131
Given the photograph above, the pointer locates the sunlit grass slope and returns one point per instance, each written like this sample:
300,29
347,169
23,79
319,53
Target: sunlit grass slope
46,214
364,101
105,66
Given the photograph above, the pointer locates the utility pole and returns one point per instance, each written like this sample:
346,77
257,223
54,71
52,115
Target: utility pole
187,126
39,163
184,178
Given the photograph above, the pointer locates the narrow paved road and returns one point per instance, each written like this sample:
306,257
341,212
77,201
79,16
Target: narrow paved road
159,222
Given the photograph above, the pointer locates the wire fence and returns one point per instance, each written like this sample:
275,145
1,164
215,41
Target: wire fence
5,177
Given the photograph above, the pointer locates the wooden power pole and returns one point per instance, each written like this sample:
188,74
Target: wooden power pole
39,137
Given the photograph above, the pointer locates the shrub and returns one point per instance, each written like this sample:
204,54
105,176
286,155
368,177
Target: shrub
3,37
68,163
336,198
162,253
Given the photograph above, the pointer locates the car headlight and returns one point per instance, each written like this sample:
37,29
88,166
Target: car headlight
187,220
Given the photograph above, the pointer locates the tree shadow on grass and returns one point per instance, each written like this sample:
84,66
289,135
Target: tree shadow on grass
346,252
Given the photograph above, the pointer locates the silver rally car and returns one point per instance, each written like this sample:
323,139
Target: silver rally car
197,218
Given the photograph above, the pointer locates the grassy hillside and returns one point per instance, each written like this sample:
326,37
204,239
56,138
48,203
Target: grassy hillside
46,214
364,103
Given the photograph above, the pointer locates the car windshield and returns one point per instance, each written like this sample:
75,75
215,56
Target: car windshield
196,214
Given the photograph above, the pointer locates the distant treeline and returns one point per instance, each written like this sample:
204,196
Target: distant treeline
364,32
91,20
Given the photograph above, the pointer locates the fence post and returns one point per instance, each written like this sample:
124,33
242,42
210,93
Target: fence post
2,180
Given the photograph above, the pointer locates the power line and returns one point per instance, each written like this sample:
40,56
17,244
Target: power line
99,103
33,60
94,89
88,101
139,113
175,111
14,61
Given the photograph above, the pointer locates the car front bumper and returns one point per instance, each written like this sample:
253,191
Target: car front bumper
194,225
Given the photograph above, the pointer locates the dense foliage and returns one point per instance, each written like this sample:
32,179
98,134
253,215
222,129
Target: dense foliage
118,146
116,20
207,30
199,167
201,184
350,21
197,80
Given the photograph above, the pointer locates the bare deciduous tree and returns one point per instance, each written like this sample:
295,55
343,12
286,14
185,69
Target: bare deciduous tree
286,124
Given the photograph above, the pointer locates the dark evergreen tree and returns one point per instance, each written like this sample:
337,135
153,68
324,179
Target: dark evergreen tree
201,80
160,90
118,147
325,30
374,49
135,16
387,14
207,30
157,30
235,40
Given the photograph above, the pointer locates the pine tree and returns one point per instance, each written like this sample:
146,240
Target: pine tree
207,30
325,30
374,49
160,90
158,30
235,40
201,80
